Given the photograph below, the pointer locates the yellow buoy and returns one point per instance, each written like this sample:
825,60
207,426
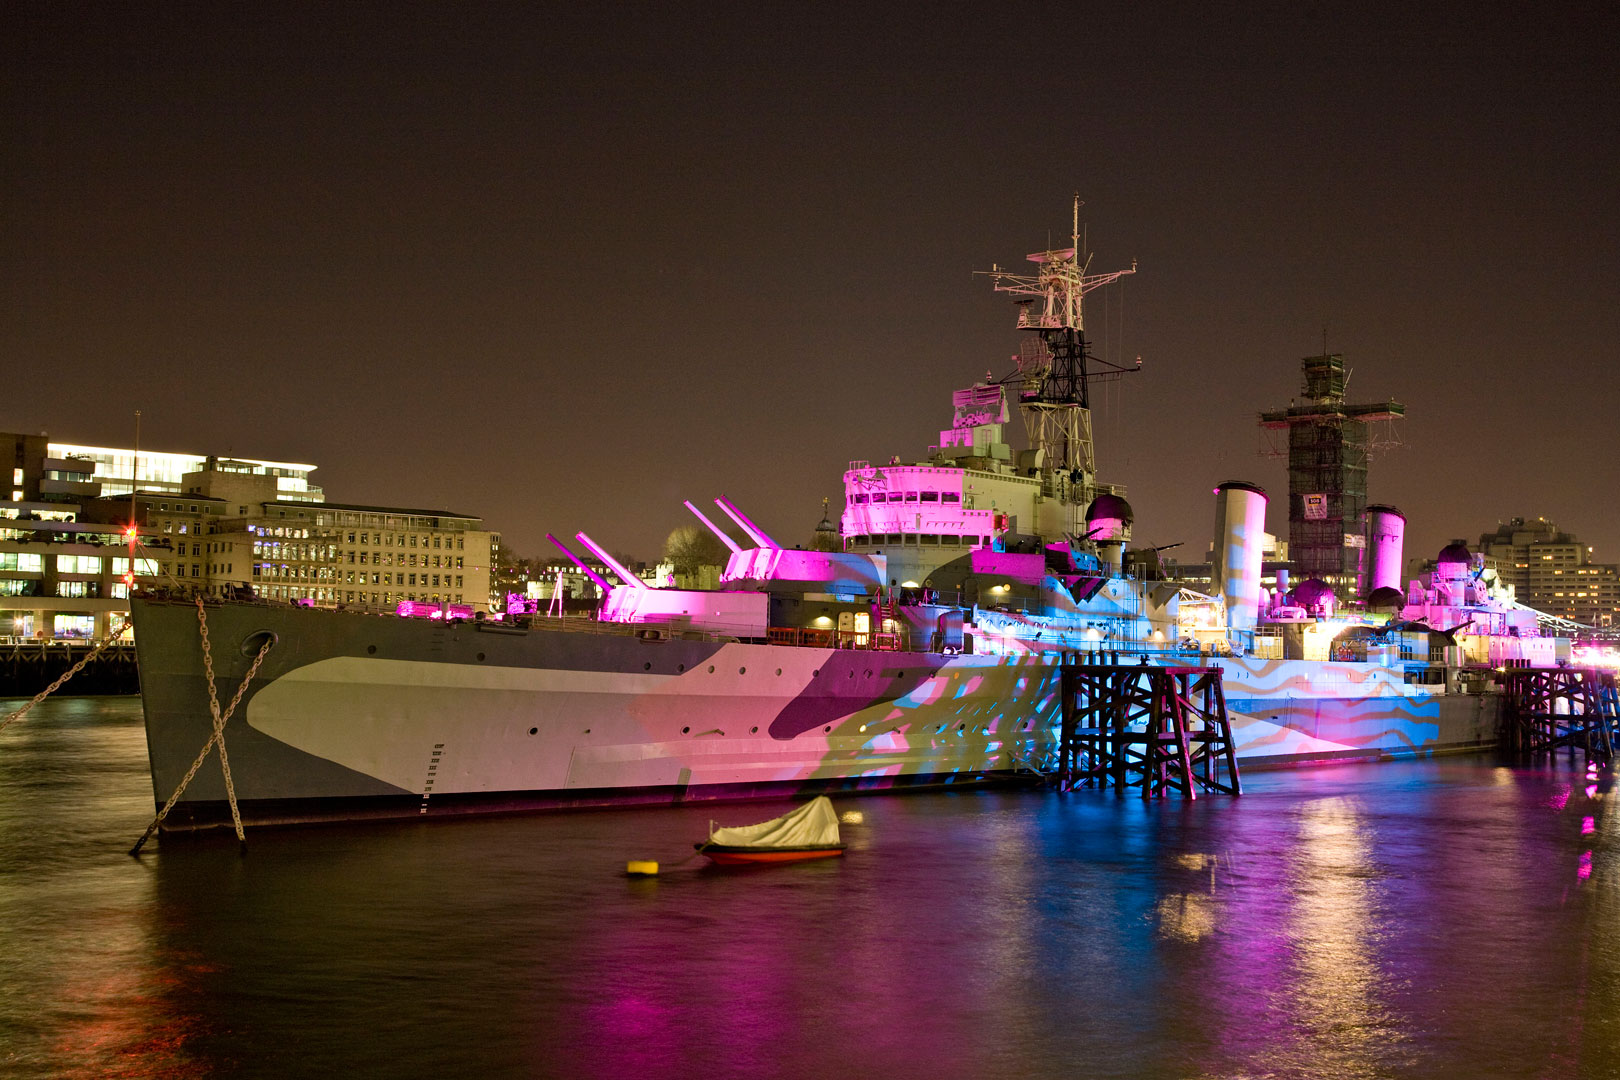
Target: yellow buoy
641,868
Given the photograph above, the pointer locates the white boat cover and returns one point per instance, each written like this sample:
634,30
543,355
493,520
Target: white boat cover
815,824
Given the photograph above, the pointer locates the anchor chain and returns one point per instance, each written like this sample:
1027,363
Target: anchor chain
68,674
217,738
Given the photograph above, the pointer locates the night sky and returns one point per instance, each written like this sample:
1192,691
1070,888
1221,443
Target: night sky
565,266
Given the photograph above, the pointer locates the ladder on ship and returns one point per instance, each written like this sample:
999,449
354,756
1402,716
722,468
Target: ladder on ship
1558,708
1159,729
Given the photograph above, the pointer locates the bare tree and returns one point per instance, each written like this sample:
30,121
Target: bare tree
692,546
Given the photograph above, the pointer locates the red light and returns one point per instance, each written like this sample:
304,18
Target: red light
129,579
130,532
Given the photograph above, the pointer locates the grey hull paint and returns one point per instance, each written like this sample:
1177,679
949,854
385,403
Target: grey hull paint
174,685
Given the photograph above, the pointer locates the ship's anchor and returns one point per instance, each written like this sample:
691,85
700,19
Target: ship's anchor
218,736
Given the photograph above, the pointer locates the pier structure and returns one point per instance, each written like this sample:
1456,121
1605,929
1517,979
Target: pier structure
27,667
1553,708
1159,729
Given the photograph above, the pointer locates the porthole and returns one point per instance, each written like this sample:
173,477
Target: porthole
742,671
779,671
371,650
480,658
587,731
828,728
686,731
680,667
711,669
753,731
815,673
534,731
647,666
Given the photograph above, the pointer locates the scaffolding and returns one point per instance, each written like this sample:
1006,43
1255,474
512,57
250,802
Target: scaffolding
1328,445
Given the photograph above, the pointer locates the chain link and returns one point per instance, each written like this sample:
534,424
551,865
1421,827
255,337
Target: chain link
217,738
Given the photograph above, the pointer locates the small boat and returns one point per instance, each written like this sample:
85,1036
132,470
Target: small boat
810,832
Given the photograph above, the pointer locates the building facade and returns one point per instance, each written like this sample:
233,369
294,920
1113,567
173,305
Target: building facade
219,528
61,577
1552,571
228,531
120,471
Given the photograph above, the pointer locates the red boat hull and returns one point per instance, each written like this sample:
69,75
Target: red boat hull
745,857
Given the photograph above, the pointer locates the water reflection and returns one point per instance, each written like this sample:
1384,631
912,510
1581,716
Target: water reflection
1445,919
86,983
1333,929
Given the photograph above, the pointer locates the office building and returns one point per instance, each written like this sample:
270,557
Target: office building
1552,571
219,528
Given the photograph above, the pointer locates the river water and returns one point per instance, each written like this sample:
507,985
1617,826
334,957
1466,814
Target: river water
1452,918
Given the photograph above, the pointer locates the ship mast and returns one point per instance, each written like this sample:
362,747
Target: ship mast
1056,366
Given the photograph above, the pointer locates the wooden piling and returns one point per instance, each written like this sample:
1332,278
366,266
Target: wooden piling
1560,707
1159,729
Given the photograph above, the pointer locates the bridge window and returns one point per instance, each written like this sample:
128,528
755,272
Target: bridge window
930,496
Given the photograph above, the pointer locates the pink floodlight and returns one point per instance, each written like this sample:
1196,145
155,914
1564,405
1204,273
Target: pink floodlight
601,582
725,538
610,562
754,531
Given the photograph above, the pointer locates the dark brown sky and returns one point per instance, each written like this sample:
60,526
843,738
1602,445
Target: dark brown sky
563,266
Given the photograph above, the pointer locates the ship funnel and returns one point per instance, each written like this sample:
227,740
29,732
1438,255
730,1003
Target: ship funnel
1108,524
601,582
1386,535
610,562
1240,526
754,532
725,537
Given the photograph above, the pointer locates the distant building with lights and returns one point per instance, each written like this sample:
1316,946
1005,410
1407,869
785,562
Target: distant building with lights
60,577
1551,571
218,528
117,472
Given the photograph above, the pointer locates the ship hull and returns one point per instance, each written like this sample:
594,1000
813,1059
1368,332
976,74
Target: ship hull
357,716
